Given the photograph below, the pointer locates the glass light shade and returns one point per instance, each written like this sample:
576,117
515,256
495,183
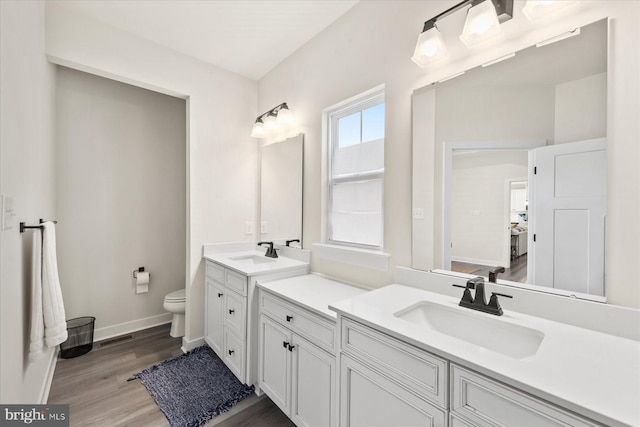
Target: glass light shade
481,24
285,116
535,9
270,122
430,47
258,129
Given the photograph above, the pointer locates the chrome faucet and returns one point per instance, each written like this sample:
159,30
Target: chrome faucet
271,251
479,302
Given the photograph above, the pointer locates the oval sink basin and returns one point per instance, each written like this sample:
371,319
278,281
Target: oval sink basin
492,334
252,259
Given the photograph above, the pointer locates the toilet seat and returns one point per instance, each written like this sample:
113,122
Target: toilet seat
176,296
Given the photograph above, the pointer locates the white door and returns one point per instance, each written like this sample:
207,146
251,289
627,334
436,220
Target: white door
313,383
569,208
274,368
214,315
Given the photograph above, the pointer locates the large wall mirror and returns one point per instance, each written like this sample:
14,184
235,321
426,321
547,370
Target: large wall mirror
510,168
281,191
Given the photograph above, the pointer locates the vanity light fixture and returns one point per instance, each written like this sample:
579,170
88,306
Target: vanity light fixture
482,23
271,120
535,9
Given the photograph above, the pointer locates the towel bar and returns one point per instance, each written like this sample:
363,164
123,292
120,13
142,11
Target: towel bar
23,225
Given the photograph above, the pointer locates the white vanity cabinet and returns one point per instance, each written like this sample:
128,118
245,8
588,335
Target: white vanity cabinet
225,316
231,326
297,363
298,342
403,385
416,387
480,401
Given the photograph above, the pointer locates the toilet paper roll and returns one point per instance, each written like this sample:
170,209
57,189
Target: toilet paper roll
142,282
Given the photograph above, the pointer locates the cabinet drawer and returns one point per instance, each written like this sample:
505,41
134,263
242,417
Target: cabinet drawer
312,327
234,354
485,402
368,398
214,271
417,370
234,314
237,282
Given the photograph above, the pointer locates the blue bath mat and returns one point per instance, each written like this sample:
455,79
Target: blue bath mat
193,388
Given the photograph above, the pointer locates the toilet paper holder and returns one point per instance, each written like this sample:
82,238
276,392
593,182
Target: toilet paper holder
139,270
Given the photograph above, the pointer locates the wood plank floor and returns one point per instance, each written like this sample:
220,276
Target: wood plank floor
96,389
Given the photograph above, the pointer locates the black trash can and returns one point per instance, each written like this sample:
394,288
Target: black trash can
80,337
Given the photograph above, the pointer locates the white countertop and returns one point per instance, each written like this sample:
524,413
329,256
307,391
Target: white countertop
594,374
271,265
313,291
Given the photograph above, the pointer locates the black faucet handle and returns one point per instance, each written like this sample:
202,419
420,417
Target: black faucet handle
501,295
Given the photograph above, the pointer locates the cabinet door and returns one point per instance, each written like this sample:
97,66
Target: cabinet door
214,315
370,399
274,368
313,379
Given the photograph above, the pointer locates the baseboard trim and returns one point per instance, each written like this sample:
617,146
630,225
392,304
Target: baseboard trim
132,326
46,387
188,345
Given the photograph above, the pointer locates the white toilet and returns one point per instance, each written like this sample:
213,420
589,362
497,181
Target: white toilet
174,303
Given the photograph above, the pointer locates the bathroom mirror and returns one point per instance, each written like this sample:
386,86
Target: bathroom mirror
281,191
482,128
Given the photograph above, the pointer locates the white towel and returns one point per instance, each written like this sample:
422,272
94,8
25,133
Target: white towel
55,324
37,322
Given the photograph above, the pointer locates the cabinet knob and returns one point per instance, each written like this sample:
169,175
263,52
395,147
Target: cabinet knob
289,318
231,352
291,347
285,344
219,295
231,311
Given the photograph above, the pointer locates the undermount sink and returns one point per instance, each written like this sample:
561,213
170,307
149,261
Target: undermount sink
492,334
252,259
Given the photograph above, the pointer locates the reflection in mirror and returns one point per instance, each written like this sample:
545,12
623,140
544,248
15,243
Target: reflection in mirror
281,191
483,206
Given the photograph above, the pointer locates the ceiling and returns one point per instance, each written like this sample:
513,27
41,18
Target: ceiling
247,37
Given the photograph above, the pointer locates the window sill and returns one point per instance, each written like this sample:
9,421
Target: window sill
355,256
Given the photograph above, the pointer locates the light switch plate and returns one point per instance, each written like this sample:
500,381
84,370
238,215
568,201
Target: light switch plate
8,214
248,227
418,213
263,227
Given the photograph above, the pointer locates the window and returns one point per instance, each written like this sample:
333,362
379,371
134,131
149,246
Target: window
355,171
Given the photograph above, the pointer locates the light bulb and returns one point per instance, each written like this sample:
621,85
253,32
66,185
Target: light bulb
430,47
285,116
258,129
481,24
270,122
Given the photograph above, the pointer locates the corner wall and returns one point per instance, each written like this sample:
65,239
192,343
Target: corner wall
372,44
27,173
221,108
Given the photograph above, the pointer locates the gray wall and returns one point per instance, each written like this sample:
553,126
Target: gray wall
121,191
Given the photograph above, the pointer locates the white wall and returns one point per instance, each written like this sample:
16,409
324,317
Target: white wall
478,210
121,199
27,174
372,43
221,108
581,109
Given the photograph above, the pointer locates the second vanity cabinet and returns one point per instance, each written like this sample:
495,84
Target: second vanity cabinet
231,325
416,387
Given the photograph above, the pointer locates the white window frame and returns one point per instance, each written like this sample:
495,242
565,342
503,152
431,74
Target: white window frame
365,255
